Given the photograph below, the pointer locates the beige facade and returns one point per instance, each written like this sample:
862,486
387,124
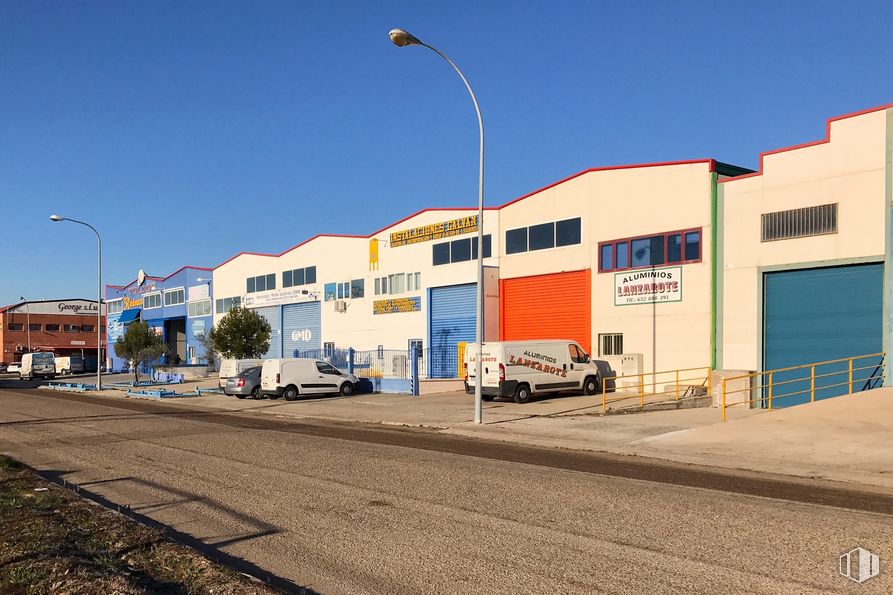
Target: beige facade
851,169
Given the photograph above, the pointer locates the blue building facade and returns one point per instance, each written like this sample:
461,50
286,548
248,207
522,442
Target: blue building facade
178,307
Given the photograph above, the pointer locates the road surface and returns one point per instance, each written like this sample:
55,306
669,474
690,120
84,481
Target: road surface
341,508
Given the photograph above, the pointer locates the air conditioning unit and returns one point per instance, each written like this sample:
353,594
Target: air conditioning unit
340,306
20,348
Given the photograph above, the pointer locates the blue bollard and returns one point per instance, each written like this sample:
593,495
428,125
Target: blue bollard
414,369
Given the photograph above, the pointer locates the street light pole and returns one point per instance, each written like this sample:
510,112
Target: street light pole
401,38
28,320
98,296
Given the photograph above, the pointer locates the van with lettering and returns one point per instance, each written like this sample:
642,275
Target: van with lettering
40,364
521,369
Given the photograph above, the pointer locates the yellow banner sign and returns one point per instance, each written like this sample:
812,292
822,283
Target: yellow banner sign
411,304
132,303
435,231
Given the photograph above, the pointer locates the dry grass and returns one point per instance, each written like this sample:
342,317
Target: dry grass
52,541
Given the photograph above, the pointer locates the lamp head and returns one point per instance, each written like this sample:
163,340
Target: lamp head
57,218
401,38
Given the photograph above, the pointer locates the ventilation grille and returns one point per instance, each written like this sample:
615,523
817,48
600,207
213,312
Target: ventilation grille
799,223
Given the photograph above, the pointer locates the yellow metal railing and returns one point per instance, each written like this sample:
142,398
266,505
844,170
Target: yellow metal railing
865,372
703,377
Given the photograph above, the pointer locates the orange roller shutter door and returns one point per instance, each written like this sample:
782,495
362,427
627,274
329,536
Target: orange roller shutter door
556,306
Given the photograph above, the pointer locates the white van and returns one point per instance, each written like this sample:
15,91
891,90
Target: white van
40,364
290,377
69,365
520,369
230,368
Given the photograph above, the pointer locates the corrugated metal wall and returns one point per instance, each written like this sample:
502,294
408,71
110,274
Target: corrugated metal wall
301,328
271,313
452,320
556,306
812,315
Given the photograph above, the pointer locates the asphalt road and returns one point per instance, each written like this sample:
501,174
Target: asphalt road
339,508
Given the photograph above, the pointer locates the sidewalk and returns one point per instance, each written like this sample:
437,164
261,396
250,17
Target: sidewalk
843,439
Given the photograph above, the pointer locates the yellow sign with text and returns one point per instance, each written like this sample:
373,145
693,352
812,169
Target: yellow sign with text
435,231
411,304
132,303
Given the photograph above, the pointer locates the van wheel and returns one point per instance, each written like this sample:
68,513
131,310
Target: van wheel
522,394
290,393
346,389
590,385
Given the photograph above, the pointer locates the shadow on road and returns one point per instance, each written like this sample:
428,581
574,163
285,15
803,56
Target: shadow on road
172,497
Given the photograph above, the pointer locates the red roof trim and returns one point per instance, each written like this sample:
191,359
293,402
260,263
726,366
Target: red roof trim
814,143
710,162
157,278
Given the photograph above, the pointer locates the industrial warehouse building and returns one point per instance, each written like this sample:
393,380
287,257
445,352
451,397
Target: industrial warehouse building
64,327
690,263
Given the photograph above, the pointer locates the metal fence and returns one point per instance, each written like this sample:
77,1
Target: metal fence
434,362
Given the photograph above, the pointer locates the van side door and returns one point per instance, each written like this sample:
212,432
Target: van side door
329,378
576,367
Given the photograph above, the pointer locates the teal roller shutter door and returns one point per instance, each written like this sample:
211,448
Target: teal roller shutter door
301,328
271,313
813,315
452,321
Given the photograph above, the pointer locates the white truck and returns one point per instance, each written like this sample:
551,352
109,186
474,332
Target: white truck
290,377
40,364
73,364
230,368
520,369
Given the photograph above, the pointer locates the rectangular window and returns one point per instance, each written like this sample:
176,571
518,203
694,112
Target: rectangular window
310,275
71,328
622,260
605,259
151,300
298,276
226,304
674,247
378,286
610,344
693,245
460,250
542,236
516,241
260,283
488,247
34,326
329,292
52,328
271,281
357,288
384,286
418,276
397,283
441,253
340,291
799,223
115,306
88,328
174,297
15,326
200,308
286,278
567,232
250,285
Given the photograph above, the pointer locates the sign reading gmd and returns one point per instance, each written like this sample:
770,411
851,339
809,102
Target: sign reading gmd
410,304
648,286
435,231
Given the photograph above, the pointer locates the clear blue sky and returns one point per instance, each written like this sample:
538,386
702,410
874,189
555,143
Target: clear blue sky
189,131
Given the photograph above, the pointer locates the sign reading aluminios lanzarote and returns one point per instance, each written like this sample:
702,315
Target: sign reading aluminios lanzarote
434,231
648,286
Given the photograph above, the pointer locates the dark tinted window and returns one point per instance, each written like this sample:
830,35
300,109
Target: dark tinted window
298,276
674,247
357,288
648,251
441,253
542,236
310,275
516,241
260,283
271,281
567,232
605,261
488,246
460,250
251,286
286,279
693,245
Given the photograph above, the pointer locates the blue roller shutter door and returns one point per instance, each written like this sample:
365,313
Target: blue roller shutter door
813,315
301,328
452,321
271,313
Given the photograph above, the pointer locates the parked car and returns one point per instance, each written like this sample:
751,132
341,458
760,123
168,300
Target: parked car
69,365
3,367
290,377
40,364
230,368
520,369
14,368
247,383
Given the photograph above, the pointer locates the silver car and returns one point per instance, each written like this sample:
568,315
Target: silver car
246,384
